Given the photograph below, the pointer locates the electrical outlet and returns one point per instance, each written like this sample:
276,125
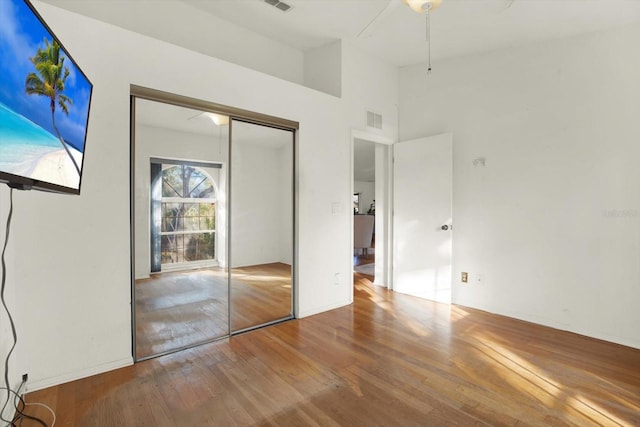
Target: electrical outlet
25,377
465,277
336,279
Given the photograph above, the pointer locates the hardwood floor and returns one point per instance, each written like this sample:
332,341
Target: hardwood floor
178,309
387,360
360,259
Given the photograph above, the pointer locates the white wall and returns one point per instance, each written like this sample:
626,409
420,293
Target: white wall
369,84
285,183
552,221
367,192
169,144
216,37
323,68
71,265
258,203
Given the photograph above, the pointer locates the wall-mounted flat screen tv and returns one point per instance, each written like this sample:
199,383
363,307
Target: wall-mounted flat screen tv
44,104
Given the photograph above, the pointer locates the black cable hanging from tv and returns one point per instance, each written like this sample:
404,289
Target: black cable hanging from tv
7,385
6,309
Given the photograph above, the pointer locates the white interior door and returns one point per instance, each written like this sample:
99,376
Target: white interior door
422,209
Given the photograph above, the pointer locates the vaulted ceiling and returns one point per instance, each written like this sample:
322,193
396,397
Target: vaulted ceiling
458,27
387,29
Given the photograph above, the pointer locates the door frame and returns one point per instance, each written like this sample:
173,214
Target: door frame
387,241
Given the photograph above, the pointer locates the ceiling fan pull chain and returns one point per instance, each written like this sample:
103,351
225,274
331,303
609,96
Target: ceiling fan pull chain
428,40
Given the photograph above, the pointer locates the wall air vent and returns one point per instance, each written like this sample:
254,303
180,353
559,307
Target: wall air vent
374,120
279,5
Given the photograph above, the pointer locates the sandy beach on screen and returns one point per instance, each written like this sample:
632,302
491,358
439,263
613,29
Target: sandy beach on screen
56,167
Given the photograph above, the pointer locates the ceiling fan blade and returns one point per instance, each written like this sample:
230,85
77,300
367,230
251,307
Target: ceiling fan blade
505,4
369,29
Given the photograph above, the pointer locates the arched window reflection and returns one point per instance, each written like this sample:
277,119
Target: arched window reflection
188,215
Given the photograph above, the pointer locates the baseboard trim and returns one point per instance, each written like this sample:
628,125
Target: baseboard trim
72,376
550,323
318,310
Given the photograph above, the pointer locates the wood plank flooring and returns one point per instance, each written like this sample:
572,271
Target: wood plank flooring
387,360
178,309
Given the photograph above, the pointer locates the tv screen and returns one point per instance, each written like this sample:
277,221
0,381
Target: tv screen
44,104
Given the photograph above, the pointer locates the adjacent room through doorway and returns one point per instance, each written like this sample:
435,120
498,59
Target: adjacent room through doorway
371,208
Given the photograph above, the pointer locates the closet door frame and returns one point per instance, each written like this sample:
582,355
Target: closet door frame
140,92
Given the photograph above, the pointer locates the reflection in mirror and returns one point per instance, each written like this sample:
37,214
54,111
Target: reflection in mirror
180,227
261,247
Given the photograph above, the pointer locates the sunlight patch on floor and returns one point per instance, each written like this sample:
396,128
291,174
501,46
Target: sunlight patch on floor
531,379
521,374
457,313
417,328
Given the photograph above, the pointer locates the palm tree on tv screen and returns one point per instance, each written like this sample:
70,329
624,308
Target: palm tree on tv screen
49,81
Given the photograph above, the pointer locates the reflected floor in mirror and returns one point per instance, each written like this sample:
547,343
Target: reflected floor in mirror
260,294
180,309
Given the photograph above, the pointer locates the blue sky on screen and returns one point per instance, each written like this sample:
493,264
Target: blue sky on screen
21,34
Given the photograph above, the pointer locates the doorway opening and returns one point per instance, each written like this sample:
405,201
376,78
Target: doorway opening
371,226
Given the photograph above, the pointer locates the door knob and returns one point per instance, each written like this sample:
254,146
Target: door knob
445,227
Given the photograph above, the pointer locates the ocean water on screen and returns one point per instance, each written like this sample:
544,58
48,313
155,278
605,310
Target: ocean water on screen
22,143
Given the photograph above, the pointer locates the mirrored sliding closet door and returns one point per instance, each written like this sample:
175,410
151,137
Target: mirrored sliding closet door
212,202
180,191
261,238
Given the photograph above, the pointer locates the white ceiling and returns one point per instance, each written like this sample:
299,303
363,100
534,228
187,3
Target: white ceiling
157,114
459,27
397,35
